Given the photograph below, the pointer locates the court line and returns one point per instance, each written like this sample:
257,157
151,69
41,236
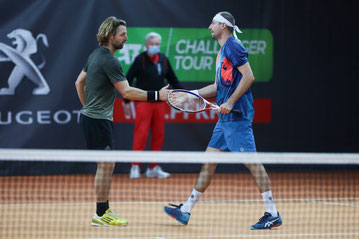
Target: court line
317,200
334,203
242,236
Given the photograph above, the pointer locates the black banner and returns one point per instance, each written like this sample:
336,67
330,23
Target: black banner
44,45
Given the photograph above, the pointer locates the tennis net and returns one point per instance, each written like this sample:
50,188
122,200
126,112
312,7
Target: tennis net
50,194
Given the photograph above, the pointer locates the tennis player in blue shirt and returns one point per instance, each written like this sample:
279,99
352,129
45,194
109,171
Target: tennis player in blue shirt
232,132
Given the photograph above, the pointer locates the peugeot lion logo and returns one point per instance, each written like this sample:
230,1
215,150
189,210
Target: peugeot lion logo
26,45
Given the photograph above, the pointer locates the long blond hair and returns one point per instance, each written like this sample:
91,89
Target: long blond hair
109,26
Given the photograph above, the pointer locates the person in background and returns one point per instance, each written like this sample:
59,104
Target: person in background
150,68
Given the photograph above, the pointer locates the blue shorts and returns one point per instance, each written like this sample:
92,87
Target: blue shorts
235,136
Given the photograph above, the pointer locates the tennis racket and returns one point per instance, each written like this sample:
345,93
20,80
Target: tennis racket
190,102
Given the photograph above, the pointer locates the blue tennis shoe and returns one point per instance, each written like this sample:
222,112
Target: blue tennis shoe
175,212
267,222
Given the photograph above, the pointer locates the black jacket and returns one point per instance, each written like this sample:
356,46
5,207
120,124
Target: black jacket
151,76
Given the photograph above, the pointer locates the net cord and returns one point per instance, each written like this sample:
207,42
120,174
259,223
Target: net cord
176,157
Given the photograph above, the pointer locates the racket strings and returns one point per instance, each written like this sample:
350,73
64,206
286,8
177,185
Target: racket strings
186,101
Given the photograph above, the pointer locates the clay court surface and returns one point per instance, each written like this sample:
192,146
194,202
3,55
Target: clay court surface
312,205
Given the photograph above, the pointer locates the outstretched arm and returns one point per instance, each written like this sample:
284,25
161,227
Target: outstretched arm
208,91
133,93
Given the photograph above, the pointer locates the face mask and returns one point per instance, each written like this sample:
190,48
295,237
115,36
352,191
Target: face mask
153,50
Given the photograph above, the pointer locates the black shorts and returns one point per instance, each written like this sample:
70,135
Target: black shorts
98,132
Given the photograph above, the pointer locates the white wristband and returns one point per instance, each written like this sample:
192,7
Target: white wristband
195,91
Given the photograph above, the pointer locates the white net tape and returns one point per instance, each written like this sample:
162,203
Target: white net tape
177,157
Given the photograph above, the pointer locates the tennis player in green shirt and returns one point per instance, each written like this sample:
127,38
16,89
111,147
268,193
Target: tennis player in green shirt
96,87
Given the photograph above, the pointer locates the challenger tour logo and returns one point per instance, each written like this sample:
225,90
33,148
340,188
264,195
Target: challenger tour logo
24,46
192,52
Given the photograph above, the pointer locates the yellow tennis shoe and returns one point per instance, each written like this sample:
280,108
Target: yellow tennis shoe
109,219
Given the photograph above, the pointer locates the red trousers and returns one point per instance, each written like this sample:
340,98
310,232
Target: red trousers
149,116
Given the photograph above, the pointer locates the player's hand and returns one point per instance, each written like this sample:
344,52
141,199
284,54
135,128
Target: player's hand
164,92
178,98
225,108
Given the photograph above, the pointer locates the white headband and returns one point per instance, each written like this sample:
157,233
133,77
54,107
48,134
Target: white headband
221,19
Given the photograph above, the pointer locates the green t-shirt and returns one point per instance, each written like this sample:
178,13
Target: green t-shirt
102,69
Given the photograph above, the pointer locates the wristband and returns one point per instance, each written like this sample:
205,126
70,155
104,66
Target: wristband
152,96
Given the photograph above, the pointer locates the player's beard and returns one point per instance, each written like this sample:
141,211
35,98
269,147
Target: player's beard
118,46
214,36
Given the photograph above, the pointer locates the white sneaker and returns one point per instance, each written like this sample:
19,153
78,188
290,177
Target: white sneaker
135,172
156,172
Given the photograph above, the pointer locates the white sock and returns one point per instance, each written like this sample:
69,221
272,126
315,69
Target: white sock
192,200
269,203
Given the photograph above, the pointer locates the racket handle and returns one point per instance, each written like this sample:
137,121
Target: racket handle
237,112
